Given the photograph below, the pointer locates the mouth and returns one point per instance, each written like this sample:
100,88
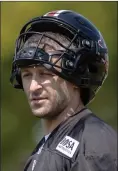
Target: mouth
37,100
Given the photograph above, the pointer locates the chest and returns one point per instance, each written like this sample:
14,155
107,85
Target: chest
58,158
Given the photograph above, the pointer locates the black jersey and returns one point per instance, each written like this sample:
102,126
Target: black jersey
82,143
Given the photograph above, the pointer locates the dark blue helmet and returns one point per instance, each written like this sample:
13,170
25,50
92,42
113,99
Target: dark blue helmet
86,66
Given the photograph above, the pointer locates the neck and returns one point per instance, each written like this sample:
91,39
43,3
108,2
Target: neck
73,107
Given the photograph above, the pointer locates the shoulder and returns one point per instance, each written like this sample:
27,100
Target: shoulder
96,127
99,137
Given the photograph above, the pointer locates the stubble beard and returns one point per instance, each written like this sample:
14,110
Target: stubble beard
50,110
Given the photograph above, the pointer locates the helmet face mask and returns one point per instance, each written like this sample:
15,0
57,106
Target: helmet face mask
86,65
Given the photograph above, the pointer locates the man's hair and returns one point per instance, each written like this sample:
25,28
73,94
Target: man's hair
35,38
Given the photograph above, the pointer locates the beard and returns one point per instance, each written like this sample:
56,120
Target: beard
49,108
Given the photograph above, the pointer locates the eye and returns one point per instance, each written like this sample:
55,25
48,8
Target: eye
49,73
25,75
46,73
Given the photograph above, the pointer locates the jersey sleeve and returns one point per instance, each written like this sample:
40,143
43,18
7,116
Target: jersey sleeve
95,163
98,148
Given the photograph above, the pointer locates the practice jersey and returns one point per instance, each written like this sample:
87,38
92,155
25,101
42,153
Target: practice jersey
82,143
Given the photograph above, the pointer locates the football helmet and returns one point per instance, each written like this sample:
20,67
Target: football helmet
86,66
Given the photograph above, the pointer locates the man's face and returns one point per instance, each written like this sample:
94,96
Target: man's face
48,94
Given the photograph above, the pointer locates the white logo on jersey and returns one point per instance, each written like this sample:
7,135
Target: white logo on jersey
68,146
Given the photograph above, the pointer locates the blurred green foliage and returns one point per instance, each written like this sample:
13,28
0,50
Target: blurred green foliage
18,124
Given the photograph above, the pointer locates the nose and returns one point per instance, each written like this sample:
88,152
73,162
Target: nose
35,85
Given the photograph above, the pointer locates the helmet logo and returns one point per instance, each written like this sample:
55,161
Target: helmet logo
54,13
100,43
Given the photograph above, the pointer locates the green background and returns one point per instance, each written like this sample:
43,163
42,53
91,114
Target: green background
19,127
